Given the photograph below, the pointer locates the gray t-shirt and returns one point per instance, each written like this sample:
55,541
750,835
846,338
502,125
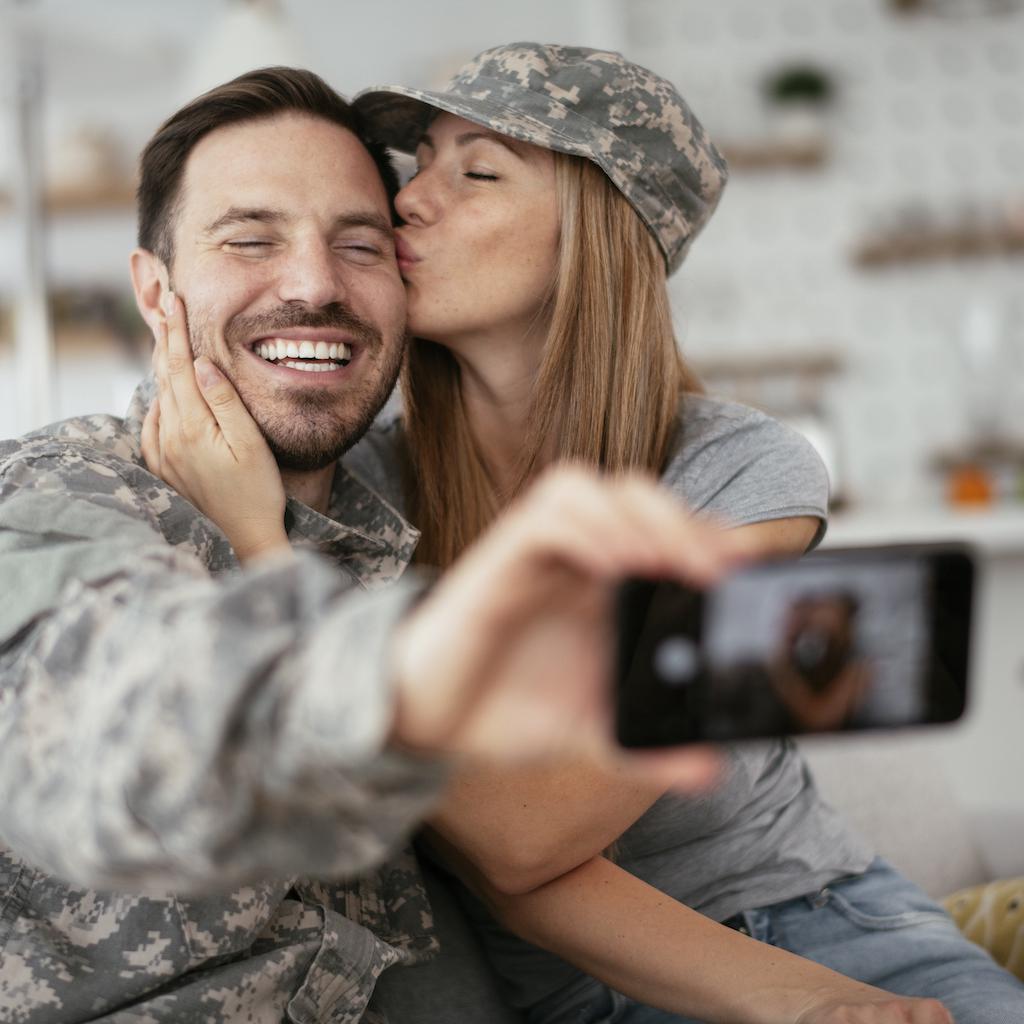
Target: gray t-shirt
763,834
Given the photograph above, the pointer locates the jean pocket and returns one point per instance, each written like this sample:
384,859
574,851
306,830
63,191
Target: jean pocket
882,900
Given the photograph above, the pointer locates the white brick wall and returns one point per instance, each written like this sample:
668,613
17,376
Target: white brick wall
929,110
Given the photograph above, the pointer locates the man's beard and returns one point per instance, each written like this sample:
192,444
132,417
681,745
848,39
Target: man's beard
306,428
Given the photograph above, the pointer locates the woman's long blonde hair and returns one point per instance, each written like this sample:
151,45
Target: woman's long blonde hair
609,385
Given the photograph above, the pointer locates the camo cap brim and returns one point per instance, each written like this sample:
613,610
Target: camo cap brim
590,103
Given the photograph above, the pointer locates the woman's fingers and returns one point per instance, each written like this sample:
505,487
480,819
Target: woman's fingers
151,437
164,438
169,411
205,400
153,428
194,416
239,428
167,419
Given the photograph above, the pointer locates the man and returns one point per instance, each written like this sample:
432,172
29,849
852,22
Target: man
195,759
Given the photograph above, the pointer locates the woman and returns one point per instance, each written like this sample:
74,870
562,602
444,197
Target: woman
555,189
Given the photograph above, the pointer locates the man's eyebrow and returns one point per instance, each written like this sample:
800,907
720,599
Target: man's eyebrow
467,137
245,215
262,215
365,219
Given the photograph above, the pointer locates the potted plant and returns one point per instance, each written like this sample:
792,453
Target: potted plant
797,97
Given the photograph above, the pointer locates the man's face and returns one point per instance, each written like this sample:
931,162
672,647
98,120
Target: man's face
284,257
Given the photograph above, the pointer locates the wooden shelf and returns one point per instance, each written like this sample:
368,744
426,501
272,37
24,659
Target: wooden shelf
105,198
113,196
757,365
770,154
924,246
1007,452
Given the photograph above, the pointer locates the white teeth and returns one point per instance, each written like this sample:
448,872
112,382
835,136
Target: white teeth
287,353
307,367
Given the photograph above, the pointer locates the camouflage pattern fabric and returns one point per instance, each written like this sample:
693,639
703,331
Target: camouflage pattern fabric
191,756
591,103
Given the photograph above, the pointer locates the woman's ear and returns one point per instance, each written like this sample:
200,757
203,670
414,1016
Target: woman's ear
151,283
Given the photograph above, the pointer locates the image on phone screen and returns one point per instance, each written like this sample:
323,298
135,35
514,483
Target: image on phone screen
834,642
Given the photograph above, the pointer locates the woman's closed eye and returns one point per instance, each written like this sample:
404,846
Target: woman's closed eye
481,176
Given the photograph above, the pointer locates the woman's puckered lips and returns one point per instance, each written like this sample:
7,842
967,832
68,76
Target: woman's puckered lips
404,252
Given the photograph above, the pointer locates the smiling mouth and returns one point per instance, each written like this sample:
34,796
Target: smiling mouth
311,356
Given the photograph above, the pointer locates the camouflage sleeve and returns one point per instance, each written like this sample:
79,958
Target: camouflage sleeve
161,729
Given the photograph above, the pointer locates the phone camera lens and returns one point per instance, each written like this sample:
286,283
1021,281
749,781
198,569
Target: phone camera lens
675,660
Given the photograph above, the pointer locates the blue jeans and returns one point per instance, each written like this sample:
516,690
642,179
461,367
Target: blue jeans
876,927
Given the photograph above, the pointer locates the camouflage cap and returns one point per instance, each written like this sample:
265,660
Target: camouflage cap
591,103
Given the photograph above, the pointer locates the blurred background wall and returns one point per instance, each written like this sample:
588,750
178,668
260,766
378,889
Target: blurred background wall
860,278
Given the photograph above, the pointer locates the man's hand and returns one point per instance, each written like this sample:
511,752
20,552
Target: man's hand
509,657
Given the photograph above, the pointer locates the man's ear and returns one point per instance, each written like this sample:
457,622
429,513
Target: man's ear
151,283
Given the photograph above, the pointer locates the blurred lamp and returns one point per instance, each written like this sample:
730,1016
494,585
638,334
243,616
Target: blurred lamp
248,34
33,336
958,8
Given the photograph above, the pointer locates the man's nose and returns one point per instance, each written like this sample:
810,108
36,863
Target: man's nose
313,274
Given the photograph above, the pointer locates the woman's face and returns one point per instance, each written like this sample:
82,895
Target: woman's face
478,248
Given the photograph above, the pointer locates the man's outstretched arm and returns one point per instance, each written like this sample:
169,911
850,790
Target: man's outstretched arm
161,728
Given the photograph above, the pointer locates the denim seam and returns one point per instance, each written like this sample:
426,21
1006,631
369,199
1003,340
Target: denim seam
879,922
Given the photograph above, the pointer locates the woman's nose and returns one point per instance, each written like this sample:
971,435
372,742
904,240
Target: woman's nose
417,202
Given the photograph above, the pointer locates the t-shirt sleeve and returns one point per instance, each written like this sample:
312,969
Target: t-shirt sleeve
741,466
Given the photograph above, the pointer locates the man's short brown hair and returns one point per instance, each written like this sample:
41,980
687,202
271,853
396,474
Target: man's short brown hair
250,97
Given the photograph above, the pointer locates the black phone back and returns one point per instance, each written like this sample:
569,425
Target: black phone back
858,638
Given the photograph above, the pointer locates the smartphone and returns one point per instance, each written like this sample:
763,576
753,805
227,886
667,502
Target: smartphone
842,639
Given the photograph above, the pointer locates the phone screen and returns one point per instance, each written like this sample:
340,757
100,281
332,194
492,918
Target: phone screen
836,641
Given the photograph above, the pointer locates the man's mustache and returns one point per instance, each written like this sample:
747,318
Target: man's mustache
335,315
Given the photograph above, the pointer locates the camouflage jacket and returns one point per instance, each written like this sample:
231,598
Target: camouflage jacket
191,756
